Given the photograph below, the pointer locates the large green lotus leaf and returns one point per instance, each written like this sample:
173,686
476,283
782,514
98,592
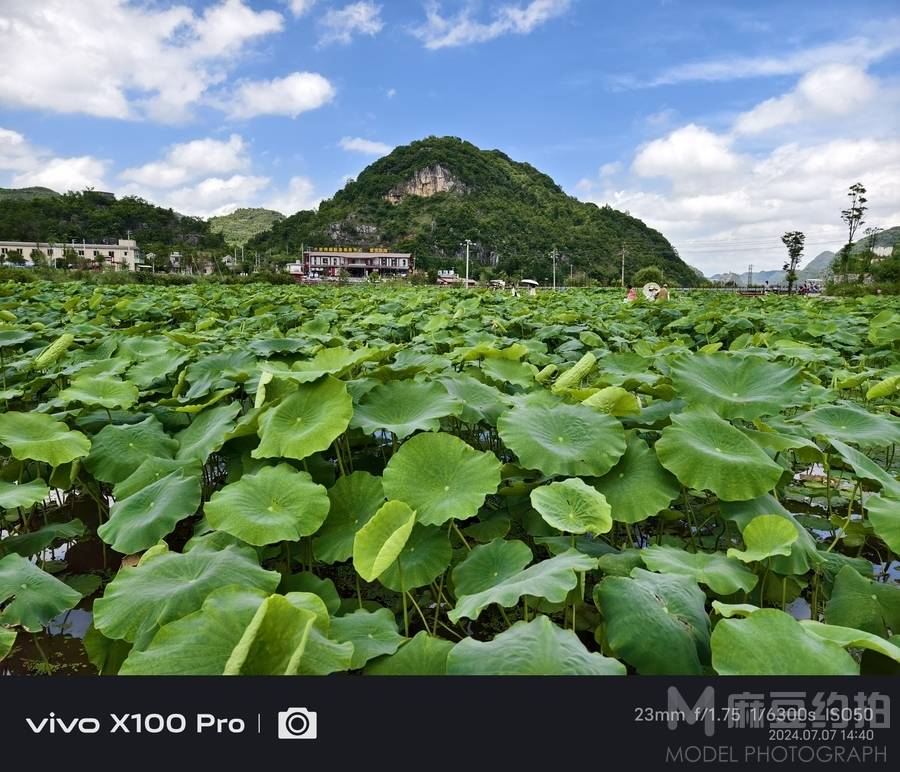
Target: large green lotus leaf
573,507
378,543
441,477
13,495
850,423
169,585
721,574
8,638
151,370
865,467
274,641
480,402
804,554
770,642
537,647
707,453
207,432
237,630
215,370
847,636
307,421
509,371
139,521
884,514
637,487
614,400
334,361
655,622
354,500
570,440
13,337
150,471
424,558
39,437
104,391
29,596
404,407
371,633
736,386
117,451
420,656
551,579
862,604
274,504
764,537
32,542
488,564
323,655
308,583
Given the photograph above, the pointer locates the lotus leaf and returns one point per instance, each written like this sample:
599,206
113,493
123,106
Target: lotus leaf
765,536
404,407
354,500
371,633
573,507
117,451
425,556
29,596
104,391
14,495
380,541
721,574
37,436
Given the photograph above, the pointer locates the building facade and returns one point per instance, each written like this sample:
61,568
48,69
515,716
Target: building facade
326,263
122,256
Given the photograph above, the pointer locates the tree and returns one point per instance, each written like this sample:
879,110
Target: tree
38,258
871,243
853,216
649,273
16,257
793,240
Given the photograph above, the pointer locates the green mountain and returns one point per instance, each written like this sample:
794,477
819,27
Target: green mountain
243,224
98,217
886,238
26,194
429,196
817,267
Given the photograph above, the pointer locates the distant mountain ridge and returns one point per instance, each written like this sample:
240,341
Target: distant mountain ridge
243,224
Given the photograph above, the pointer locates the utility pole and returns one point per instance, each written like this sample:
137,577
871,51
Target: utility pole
623,265
750,275
468,243
553,256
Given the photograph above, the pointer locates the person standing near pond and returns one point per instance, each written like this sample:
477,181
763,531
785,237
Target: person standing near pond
631,296
662,293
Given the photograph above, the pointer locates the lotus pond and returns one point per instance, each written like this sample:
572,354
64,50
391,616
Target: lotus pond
395,481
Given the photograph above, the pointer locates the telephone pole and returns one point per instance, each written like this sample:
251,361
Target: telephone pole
750,275
554,255
468,243
623,265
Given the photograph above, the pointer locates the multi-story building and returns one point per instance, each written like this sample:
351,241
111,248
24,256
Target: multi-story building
123,256
328,262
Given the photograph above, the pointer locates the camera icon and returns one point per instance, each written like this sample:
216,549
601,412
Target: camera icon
297,724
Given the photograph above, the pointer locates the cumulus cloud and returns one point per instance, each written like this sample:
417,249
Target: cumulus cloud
833,90
296,93
339,25
299,194
366,146
300,7
461,29
34,166
724,197
190,160
115,59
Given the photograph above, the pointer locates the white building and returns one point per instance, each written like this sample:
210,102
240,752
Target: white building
123,256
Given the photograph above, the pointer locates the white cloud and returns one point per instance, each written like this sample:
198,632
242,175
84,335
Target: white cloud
62,174
859,50
608,170
340,25
191,160
299,194
294,94
462,29
367,146
830,91
691,151
300,7
391,93
215,195
115,59
34,166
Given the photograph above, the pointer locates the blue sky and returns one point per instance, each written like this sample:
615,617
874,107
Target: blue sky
723,124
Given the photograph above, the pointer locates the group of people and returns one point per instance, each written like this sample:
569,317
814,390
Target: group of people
660,293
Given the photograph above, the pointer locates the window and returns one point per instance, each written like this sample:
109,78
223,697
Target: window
50,252
81,252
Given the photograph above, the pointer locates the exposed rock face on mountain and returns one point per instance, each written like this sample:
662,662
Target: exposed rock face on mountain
427,182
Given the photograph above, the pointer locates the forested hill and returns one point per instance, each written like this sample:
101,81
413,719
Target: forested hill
431,195
102,218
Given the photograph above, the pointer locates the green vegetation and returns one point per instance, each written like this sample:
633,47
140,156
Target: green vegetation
400,480
101,218
26,194
514,213
243,224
